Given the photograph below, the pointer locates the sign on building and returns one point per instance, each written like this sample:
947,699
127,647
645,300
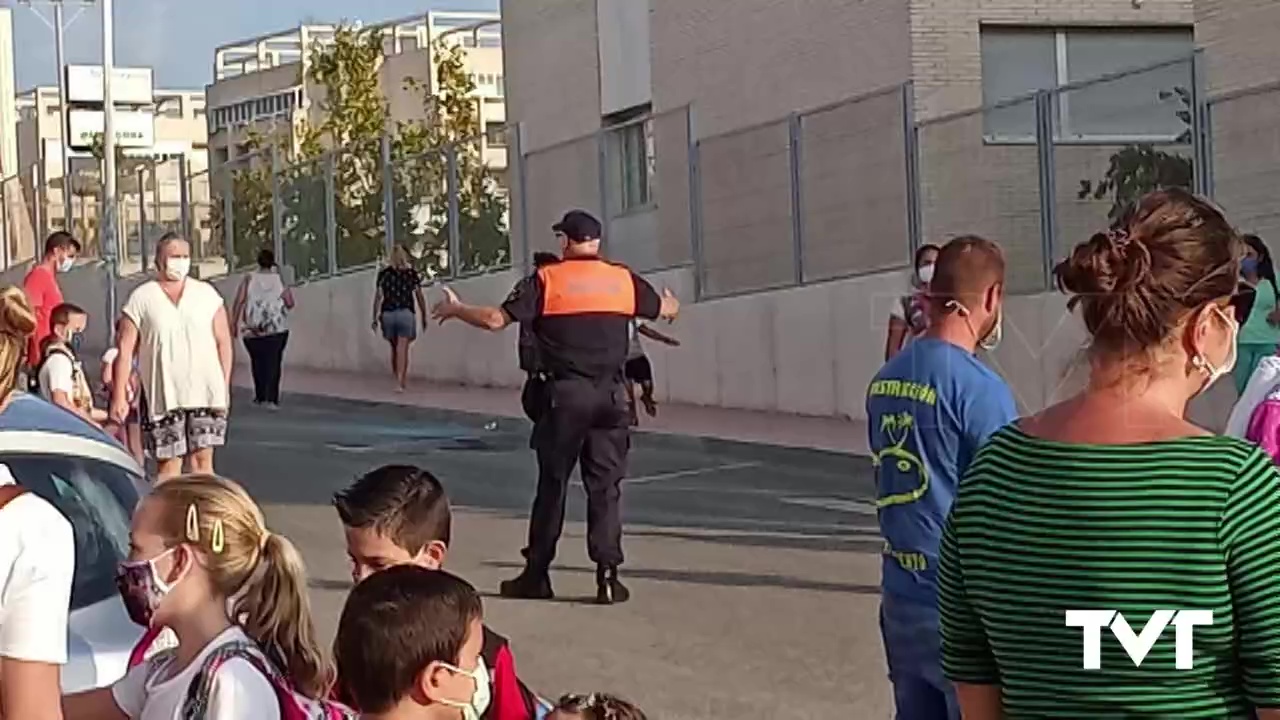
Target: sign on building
133,129
129,85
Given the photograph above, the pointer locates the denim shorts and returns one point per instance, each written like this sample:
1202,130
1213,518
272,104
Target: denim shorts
398,324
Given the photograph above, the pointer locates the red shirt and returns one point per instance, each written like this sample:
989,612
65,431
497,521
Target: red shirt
41,286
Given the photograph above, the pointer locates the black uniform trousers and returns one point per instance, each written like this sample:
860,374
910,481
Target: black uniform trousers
585,422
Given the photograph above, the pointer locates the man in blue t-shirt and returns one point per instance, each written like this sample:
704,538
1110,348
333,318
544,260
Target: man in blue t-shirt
929,410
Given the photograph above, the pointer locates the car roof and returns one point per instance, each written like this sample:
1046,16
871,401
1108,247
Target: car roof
30,423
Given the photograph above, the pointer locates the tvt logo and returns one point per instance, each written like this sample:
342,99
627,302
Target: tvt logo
1092,621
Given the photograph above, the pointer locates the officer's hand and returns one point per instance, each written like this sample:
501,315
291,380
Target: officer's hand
670,306
448,307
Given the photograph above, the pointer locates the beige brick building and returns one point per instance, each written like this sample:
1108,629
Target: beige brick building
259,84
743,67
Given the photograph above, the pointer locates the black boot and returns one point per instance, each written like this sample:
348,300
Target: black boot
609,589
528,585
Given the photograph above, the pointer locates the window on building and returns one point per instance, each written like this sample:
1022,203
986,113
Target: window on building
495,134
52,109
1017,61
502,86
169,106
198,111
632,156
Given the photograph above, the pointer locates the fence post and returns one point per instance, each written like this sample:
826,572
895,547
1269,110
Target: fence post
795,144
1201,167
184,208
695,205
6,248
522,179
1048,184
142,218
455,216
229,221
330,214
41,203
911,156
277,207
602,185
388,194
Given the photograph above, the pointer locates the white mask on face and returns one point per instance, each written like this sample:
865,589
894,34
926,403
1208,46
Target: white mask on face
177,268
480,697
924,274
992,339
1214,374
65,264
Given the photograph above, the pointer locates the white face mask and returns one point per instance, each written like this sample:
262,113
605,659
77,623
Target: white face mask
66,264
480,697
1202,361
177,268
924,274
992,339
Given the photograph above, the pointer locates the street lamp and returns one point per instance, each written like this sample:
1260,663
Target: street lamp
59,26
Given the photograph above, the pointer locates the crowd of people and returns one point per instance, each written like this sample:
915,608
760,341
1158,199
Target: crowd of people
997,525
224,601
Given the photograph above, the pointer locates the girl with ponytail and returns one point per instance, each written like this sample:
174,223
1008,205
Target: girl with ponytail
203,564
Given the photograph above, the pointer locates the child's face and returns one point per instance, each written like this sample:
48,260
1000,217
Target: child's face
371,551
443,685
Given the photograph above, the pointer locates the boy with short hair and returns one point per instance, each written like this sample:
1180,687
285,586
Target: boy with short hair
409,646
399,515
60,376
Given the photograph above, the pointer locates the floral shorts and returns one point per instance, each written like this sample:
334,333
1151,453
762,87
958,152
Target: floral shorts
182,432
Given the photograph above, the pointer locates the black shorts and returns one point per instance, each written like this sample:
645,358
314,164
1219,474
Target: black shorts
638,370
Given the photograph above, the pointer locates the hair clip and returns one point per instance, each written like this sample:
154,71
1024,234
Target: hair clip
193,524
219,540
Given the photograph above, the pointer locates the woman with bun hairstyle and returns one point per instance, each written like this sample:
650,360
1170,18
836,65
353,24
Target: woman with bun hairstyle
37,559
1111,501
203,564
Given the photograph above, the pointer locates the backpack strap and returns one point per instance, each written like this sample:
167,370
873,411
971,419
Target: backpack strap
196,704
9,493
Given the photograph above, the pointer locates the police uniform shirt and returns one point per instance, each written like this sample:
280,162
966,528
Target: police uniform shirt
580,309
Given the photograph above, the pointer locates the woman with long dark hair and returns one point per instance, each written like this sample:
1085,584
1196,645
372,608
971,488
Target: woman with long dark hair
1256,310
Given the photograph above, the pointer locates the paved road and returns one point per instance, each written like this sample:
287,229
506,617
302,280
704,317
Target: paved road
754,569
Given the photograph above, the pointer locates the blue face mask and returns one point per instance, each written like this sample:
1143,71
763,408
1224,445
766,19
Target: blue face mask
74,342
1249,266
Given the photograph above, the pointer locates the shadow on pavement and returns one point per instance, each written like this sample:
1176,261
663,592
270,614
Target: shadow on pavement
721,579
858,544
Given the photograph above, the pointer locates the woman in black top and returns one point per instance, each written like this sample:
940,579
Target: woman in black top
399,284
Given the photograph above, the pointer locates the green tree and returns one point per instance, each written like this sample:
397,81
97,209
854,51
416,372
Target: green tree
248,181
1140,168
344,76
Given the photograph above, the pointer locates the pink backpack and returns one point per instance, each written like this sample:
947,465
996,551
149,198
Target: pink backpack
293,706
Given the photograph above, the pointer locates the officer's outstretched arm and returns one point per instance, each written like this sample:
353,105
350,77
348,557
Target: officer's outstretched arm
485,318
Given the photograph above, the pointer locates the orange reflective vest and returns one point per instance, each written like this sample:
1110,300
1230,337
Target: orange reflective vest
587,287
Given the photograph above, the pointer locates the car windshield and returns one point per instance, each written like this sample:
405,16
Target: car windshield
98,499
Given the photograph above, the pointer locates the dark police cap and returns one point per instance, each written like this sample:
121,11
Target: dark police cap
578,226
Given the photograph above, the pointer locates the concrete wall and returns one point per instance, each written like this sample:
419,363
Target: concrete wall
1240,53
750,61
623,35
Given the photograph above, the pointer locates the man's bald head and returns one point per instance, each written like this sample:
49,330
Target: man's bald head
967,267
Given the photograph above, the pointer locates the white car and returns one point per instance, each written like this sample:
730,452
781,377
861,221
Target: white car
96,484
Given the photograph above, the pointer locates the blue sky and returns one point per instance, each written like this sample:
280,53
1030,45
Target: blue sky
177,37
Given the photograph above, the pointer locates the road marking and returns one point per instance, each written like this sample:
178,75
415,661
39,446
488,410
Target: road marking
642,479
857,507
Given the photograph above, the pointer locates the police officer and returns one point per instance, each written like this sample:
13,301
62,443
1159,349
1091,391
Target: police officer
579,309
531,396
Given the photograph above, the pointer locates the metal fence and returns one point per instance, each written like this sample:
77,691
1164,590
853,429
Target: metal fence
853,187
347,207
839,191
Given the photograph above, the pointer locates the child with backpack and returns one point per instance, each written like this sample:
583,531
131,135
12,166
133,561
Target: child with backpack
60,378
399,515
197,543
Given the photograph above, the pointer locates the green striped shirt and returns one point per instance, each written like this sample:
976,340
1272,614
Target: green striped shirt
1042,527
